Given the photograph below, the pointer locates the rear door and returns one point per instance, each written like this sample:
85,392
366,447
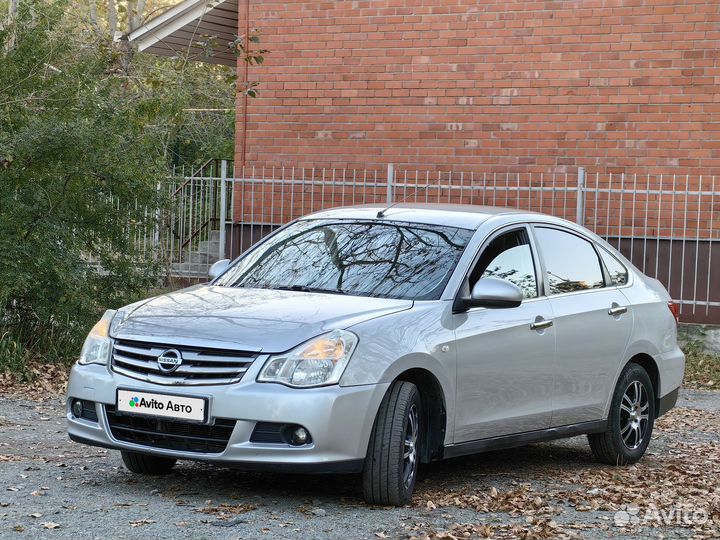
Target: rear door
505,356
592,321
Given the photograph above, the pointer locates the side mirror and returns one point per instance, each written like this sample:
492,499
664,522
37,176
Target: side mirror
218,268
492,293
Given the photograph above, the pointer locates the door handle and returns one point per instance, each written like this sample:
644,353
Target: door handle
540,325
617,310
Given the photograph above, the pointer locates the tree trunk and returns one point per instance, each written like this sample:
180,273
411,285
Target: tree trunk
12,10
11,18
112,18
94,17
135,14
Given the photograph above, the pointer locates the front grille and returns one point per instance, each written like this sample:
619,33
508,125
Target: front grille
200,365
170,434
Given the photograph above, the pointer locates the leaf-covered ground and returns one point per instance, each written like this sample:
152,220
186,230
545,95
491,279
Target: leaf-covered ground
677,484
52,488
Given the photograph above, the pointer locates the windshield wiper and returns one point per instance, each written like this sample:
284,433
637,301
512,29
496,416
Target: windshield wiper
305,288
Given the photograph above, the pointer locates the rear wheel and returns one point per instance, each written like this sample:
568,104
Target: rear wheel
393,453
149,465
631,419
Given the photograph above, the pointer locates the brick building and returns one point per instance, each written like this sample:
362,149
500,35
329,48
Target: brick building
612,85
502,85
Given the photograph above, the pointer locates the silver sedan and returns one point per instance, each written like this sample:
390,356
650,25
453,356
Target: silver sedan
373,340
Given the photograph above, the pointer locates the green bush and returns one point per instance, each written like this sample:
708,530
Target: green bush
74,148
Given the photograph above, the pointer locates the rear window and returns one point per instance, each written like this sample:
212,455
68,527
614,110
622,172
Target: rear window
366,258
571,263
616,269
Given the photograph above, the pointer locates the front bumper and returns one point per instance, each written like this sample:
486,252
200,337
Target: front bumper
339,420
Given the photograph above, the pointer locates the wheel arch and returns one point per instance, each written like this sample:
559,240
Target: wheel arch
648,363
434,410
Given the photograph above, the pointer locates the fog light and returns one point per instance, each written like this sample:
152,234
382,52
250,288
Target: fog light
77,408
299,436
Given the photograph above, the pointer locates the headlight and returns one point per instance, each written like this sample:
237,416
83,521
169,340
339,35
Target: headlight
96,349
318,362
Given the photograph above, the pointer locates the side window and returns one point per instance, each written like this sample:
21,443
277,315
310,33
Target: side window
616,269
508,257
571,263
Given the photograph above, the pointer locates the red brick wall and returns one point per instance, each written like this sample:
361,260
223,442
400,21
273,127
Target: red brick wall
612,85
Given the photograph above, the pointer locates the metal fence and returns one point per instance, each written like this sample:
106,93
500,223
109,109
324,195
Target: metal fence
666,225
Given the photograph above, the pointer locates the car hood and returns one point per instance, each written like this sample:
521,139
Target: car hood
246,319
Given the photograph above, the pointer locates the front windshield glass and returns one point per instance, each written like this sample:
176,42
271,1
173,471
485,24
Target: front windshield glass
364,258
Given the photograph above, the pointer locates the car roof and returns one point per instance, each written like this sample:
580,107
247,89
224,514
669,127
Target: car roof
465,216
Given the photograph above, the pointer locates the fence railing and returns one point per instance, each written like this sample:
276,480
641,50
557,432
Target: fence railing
668,226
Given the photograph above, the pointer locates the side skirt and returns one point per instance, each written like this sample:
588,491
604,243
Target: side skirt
521,439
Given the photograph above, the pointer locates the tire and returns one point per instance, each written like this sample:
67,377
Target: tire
393,455
149,465
630,422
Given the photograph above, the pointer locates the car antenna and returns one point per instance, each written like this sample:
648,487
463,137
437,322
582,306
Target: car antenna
381,213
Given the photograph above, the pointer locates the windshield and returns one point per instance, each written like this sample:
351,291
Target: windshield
364,258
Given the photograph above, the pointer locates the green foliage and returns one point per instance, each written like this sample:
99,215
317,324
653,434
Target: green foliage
702,369
85,138
243,48
193,105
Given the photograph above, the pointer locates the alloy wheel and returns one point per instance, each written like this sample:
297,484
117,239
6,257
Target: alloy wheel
634,415
410,446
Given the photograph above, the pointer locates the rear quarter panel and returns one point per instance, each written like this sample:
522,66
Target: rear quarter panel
654,332
655,328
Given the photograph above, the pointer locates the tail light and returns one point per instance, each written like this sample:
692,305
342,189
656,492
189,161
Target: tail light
675,310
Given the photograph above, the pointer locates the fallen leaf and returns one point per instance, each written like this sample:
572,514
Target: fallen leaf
226,511
141,522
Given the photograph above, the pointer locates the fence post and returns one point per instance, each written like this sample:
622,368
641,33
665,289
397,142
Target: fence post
223,207
156,230
580,216
390,180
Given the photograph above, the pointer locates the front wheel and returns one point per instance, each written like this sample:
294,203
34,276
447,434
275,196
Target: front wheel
631,419
146,464
393,453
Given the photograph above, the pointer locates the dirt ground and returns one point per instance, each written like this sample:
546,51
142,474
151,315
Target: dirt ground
53,488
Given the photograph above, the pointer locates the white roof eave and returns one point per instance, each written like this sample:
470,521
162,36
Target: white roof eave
175,32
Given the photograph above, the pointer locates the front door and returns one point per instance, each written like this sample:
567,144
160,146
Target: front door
505,356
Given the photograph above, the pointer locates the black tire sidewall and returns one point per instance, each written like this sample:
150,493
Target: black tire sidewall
383,472
147,464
